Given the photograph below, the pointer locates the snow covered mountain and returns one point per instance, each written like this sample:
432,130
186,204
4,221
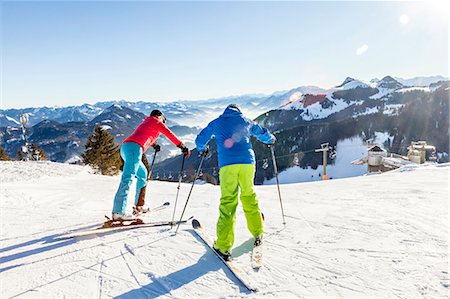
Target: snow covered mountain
348,116
352,98
385,104
200,112
388,114
64,142
365,237
84,112
188,113
422,81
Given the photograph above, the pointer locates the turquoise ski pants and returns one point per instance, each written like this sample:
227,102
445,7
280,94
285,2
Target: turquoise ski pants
131,154
232,178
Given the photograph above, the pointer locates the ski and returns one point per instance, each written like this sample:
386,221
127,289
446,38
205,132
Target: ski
231,265
257,257
110,223
136,220
125,225
155,209
257,252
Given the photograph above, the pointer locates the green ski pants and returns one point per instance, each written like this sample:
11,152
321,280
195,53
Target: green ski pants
233,177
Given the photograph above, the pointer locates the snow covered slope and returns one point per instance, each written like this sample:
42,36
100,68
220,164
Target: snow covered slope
376,236
422,81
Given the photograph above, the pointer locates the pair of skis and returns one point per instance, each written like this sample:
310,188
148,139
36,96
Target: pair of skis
240,275
110,223
127,224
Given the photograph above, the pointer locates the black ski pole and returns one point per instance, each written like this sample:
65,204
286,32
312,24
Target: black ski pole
278,183
178,189
190,191
149,176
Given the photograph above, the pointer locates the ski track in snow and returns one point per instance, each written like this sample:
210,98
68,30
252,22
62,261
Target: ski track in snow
374,236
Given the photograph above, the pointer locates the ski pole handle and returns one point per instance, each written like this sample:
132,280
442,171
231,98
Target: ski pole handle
149,176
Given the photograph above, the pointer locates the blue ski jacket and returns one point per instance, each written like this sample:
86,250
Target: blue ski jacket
232,132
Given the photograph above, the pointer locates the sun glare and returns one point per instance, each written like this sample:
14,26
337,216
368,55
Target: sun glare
361,50
404,19
439,6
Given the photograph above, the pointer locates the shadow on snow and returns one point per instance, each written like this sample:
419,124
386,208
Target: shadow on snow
164,285
50,242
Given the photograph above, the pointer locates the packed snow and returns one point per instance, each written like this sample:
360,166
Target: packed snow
409,89
381,138
316,111
74,159
347,150
375,236
382,93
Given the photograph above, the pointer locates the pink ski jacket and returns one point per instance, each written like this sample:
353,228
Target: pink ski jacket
146,133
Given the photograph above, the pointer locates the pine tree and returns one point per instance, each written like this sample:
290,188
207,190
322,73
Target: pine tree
37,153
101,152
4,156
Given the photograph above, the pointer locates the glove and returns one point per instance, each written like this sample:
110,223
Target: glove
272,141
186,152
156,147
205,152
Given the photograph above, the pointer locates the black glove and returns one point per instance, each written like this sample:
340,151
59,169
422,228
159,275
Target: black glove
205,152
156,147
186,152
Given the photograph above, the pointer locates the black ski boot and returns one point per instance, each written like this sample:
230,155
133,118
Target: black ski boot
258,241
226,256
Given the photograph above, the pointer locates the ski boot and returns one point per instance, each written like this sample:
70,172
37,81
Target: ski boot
118,219
138,210
226,256
121,217
258,241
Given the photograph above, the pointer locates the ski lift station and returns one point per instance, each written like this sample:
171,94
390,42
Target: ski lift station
419,152
375,158
379,160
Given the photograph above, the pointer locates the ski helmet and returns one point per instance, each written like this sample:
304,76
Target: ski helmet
234,106
158,113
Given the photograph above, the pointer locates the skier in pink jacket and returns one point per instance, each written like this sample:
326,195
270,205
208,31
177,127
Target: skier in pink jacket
131,151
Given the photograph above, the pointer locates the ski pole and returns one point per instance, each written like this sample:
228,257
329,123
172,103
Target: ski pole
190,191
149,176
278,183
178,189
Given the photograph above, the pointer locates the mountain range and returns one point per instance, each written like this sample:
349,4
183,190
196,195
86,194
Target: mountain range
302,118
384,111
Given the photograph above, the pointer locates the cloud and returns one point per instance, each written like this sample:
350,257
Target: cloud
361,50
404,19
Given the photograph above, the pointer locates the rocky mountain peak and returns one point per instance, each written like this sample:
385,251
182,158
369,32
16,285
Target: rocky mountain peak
389,83
346,81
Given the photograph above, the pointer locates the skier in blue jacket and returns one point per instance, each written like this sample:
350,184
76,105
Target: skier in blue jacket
232,132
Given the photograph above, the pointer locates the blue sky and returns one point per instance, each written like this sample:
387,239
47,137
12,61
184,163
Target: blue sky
68,53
